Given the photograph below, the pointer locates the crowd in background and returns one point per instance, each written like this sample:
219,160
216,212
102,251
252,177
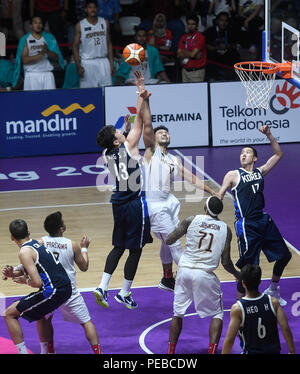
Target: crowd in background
231,29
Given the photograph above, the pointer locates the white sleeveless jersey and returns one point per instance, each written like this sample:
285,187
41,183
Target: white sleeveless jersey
63,251
160,173
205,242
34,48
93,39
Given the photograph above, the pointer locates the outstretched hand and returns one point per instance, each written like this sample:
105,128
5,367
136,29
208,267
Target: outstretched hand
85,242
265,130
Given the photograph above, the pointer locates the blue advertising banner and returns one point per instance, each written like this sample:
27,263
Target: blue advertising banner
50,122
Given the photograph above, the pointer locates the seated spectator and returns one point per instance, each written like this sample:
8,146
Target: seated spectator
192,52
160,36
7,69
221,48
152,66
110,10
250,13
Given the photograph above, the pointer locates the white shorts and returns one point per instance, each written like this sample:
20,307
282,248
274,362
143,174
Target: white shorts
199,286
97,73
39,81
75,309
164,214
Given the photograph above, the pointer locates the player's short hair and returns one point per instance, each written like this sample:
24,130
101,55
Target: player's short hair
87,2
18,229
140,28
161,127
193,17
35,16
106,137
251,276
53,223
214,206
253,149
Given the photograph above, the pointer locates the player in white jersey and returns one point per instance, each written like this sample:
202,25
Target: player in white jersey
74,310
161,167
207,242
35,56
92,49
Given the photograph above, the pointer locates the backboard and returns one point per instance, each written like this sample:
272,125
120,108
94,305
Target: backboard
281,38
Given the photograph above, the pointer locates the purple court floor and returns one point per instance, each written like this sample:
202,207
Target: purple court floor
146,329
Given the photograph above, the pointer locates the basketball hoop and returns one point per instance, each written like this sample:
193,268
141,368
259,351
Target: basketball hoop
258,79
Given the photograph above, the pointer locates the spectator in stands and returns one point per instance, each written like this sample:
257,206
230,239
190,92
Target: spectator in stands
52,12
36,52
250,13
160,36
221,48
94,58
110,10
192,52
152,67
218,6
7,69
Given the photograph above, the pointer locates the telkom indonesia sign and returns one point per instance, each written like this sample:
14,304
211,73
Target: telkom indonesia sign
234,123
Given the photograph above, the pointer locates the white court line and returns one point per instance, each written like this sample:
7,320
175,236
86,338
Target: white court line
145,332
227,193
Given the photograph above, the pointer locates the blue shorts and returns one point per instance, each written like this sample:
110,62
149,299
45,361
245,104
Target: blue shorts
37,305
255,235
132,228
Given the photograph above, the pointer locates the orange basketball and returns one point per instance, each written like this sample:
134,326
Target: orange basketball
133,54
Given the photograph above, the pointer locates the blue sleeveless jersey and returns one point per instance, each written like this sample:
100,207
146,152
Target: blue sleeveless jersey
248,194
258,331
127,173
50,270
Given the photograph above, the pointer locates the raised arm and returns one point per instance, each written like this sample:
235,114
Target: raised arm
81,257
229,181
135,134
180,230
272,161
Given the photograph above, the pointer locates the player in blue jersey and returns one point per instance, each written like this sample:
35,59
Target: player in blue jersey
42,271
255,229
255,318
131,219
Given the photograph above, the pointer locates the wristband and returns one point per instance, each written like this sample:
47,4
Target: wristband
125,133
84,250
27,280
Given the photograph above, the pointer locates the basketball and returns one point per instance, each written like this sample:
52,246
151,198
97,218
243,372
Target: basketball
133,54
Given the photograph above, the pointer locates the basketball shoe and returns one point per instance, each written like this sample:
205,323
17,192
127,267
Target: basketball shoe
101,297
275,293
127,301
167,284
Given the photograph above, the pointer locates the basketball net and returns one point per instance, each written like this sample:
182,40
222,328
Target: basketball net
258,78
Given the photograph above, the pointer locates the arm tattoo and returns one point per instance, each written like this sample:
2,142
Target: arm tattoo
179,231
